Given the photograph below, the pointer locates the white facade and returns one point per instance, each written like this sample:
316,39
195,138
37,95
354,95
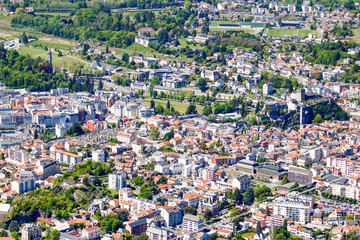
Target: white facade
346,166
98,155
124,137
292,210
192,223
117,181
345,191
67,158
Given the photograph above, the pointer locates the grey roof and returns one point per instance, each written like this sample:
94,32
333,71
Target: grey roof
299,170
271,169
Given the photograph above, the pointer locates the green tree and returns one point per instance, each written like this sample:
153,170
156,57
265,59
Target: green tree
190,210
116,225
101,85
159,109
15,235
154,133
229,194
294,186
249,196
152,104
349,217
162,201
191,109
138,181
207,111
36,134
284,180
169,135
96,181
25,38
125,57
75,130
208,214
55,235
4,233
14,226
188,5
257,109
86,181
237,196
168,106
143,236
201,84
318,118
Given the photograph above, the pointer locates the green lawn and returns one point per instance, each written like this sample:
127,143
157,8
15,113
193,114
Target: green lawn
70,62
300,32
356,37
183,44
246,30
304,33
139,48
133,13
216,23
179,106
281,32
53,45
61,14
33,52
247,234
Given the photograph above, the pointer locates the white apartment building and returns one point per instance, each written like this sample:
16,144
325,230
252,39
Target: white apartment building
68,158
117,181
345,191
23,185
124,137
295,211
98,155
192,223
17,155
156,233
345,166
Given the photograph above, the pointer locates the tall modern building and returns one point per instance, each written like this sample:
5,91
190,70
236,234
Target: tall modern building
17,155
23,185
117,181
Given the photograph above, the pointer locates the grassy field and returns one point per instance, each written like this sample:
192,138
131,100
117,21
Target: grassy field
54,45
304,33
133,13
247,234
61,14
33,52
216,23
183,44
139,48
356,37
179,106
70,62
300,32
246,30
281,32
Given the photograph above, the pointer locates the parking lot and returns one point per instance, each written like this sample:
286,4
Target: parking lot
331,205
